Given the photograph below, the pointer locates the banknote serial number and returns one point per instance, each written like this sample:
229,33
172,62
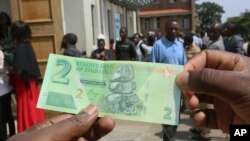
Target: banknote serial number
93,82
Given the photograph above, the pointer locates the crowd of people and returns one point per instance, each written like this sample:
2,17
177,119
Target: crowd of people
212,60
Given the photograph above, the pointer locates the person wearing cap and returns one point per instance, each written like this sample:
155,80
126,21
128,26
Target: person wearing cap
101,53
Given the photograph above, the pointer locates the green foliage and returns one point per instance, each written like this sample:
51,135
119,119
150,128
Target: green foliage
233,20
243,20
208,13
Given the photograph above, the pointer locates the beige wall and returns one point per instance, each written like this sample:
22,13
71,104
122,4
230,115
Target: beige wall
77,19
72,18
5,6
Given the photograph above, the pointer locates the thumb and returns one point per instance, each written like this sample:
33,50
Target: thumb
225,85
74,127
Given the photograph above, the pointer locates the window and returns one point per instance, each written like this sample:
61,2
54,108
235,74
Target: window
172,17
93,22
110,23
101,14
172,1
185,22
158,23
146,24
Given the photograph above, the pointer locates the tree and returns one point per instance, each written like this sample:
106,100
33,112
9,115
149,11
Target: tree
244,21
207,14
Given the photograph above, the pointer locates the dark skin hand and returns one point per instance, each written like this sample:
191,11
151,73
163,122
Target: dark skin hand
81,127
222,79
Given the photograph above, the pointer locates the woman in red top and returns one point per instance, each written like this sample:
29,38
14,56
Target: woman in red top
26,74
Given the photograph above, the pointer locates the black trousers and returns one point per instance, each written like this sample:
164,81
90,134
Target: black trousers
6,117
169,132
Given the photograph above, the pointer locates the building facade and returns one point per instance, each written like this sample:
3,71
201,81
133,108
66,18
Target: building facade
154,17
88,18
51,19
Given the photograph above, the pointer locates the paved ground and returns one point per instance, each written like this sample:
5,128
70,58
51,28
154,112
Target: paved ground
139,131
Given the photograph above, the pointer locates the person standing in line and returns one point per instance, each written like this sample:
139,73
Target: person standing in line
217,43
5,24
5,102
6,42
190,47
6,60
216,38
205,40
26,75
169,50
69,45
138,42
197,39
246,43
112,47
147,47
235,41
101,53
125,49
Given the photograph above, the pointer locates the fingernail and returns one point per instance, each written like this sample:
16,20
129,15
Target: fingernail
194,112
198,118
91,109
182,79
86,114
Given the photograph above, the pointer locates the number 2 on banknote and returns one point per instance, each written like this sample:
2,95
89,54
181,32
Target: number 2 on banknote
79,93
168,113
60,76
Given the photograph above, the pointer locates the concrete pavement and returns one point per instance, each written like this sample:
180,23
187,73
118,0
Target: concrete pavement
139,131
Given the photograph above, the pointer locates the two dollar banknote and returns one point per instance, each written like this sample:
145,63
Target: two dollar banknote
126,90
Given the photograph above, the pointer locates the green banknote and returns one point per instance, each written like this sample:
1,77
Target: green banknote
126,90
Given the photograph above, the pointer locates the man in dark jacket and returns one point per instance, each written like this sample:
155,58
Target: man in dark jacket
125,49
235,43
69,44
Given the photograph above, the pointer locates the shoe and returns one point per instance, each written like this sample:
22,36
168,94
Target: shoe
194,131
200,138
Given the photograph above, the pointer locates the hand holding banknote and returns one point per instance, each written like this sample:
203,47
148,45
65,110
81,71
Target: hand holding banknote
221,79
121,89
82,127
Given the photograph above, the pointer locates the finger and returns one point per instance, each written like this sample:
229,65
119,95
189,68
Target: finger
204,118
213,118
214,82
72,128
49,122
102,127
207,118
216,60
192,102
81,139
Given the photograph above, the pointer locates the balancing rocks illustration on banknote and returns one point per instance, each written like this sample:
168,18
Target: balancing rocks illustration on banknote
123,99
